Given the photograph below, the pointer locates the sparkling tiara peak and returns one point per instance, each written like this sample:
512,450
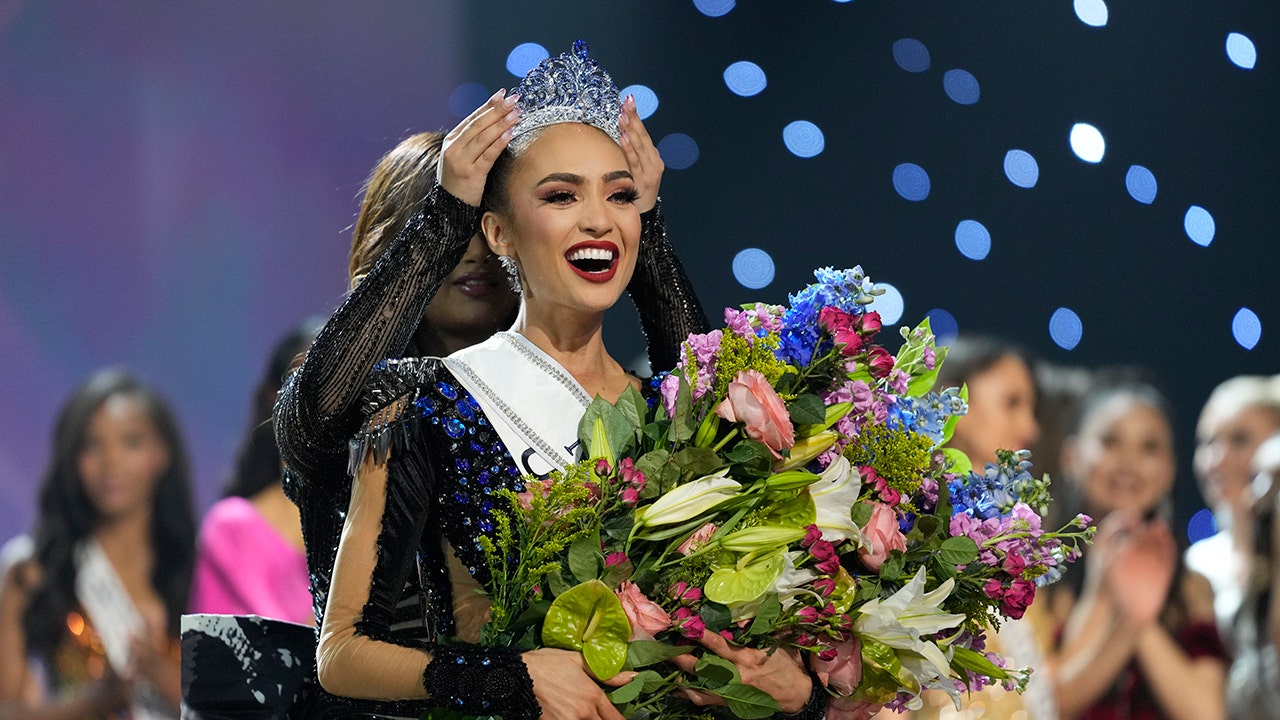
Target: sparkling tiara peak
569,88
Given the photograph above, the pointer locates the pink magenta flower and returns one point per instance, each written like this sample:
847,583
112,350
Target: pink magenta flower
879,361
689,625
882,536
1020,594
615,558
843,672
753,402
808,614
869,324
697,539
646,616
630,496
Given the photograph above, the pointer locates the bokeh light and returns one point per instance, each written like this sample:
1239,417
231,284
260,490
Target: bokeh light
1141,184
911,55
753,268
1091,12
803,139
525,57
678,151
745,78
1199,225
467,97
1246,328
1241,51
972,239
1087,143
1065,328
714,8
961,86
944,326
911,182
1201,526
1021,168
889,304
646,100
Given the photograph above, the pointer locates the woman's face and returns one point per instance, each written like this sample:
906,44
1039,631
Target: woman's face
1225,450
1124,457
1001,413
122,457
571,221
475,300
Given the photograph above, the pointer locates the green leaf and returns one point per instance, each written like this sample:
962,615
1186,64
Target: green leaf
748,450
605,431
698,460
715,616
633,407
928,526
585,558
747,702
618,527
715,671
589,618
807,409
868,590
959,550
556,582
747,580
769,611
892,567
682,422
532,615
861,514
642,653
966,659
959,461
644,681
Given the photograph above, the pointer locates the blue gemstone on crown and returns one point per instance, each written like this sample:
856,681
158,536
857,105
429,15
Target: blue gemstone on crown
571,87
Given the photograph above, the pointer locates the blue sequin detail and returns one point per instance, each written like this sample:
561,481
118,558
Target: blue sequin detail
461,497
487,506
462,465
483,477
485,662
426,406
486,526
454,428
475,406
466,413
477,447
448,391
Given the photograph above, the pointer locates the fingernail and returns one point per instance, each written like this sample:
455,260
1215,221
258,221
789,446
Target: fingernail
510,101
500,93
506,134
511,116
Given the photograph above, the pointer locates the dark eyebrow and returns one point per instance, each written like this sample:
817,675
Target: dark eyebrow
617,175
562,177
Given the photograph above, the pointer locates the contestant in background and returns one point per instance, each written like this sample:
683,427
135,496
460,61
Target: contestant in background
89,622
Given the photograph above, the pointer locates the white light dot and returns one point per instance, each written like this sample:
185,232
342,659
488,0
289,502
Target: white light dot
961,86
1021,168
1201,526
1087,143
1241,51
1141,184
911,182
1065,328
646,99
911,55
889,305
678,151
944,326
525,57
1246,328
714,8
745,78
972,239
803,139
1091,12
753,268
1199,225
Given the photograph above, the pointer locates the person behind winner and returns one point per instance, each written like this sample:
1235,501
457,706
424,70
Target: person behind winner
559,205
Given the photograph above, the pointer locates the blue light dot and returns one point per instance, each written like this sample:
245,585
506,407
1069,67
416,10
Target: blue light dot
1021,168
889,305
961,86
911,55
646,100
1141,184
803,139
753,268
714,8
911,182
1065,328
467,97
1201,526
1247,328
525,57
1241,51
678,151
972,239
745,78
1087,143
1199,225
944,326
1091,12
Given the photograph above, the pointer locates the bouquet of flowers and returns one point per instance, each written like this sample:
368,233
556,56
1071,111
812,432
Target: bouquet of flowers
785,486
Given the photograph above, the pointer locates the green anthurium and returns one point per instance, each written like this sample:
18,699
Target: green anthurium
746,581
589,618
797,512
960,463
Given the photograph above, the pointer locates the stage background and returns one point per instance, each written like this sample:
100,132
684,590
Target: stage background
177,180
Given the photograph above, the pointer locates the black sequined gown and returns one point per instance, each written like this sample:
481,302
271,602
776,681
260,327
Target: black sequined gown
448,458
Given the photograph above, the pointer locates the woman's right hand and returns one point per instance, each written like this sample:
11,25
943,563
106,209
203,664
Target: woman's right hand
471,148
565,689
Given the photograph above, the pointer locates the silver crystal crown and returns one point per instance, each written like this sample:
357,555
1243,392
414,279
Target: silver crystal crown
569,88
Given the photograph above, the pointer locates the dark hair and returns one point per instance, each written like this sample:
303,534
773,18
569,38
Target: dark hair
67,516
258,464
972,355
392,194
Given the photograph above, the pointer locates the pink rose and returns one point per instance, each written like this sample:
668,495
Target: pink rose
843,673
753,402
1016,599
882,535
697,539
879,361
646,616
846,709
869,324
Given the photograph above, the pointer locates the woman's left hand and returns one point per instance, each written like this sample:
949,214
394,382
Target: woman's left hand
642,157
779,673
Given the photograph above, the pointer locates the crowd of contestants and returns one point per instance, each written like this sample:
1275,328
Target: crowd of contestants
1142,628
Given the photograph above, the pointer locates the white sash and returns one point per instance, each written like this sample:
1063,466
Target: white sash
114,617
534,403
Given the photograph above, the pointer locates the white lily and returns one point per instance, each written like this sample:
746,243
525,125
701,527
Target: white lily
688,501
834,494
903,618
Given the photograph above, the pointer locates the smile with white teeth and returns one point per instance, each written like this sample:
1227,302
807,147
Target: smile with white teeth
590,259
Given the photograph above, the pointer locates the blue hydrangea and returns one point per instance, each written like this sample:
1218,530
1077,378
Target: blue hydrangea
848,290
926,415
1000,486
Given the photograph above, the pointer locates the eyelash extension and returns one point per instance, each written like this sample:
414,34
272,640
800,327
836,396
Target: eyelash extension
628,196
557,196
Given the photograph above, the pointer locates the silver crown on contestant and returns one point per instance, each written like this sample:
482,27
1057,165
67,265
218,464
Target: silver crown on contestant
569,88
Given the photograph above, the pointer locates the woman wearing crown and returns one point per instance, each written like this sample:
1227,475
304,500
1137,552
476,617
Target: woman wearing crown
553,182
